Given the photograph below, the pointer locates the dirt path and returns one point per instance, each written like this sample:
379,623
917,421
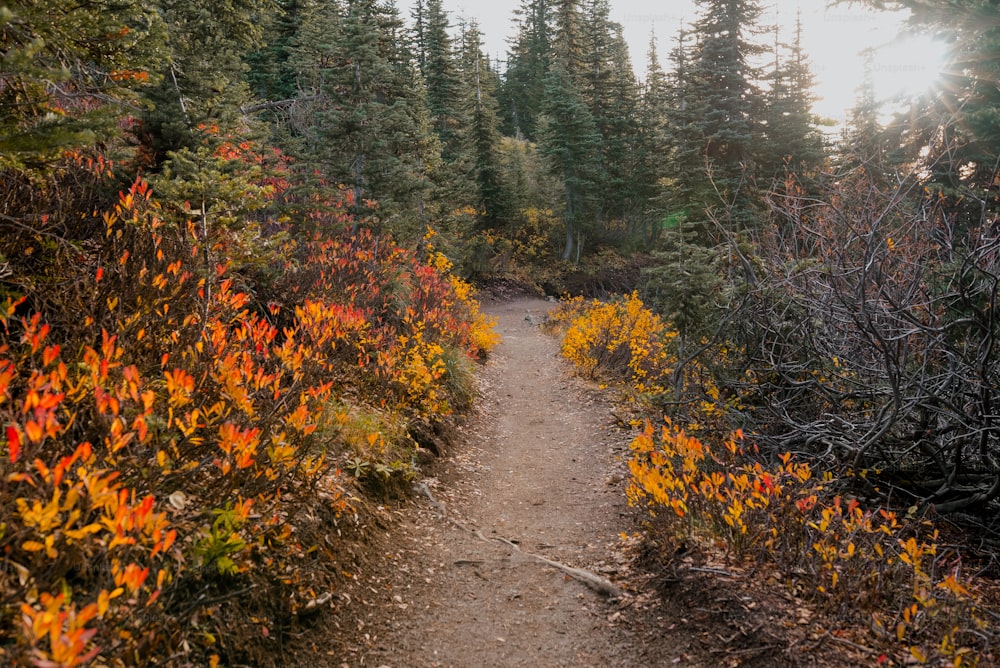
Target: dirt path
536,467
540,465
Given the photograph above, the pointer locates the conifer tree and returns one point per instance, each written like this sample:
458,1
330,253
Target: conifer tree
569,36
863,138
367,127
609,85
685,187
202,84
569,140
523,92
722,89
64,71
954,132
482,132
653,146
790,136
271,74
419,34
440,78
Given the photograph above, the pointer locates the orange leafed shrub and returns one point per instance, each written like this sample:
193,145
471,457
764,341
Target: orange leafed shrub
867,564
158,449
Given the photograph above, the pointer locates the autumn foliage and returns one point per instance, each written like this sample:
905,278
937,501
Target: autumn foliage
874,568
181,433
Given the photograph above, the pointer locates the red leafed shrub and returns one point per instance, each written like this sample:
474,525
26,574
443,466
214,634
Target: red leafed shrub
174,448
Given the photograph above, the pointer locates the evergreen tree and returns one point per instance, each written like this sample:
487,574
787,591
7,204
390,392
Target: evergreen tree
366,127
522,95
790,137
65,68
615,109
419,35
482,133
271,74
202,85
653,147
722,89
682,280
863,143
954,132
569,140
569,36
683,284
686,190
440,78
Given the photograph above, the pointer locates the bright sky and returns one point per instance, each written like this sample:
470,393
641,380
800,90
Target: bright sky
833,38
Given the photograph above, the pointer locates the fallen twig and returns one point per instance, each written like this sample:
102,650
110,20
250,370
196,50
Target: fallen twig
601,585
713,571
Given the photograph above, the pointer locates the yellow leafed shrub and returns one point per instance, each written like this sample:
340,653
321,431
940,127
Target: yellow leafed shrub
869,565
619,340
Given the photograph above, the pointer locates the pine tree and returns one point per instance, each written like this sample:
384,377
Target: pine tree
653,147
202,85
686,190
523,92
682,280
615,109
482,133
790,137
66,72
419,35
683,283
863,143
569,36
271,75
440,78
569,140
367,126
723,90
954,133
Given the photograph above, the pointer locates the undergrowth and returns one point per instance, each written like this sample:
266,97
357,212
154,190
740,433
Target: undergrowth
181,448
887,574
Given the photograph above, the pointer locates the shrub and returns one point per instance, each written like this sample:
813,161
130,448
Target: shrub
172,454
865,564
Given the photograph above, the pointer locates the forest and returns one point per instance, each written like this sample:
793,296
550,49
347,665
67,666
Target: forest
240,247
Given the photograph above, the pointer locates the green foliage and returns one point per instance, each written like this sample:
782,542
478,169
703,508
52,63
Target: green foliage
438,68
221,542
523,93
66,69
570,142
482,134
721,89
612,92
201,85
653,148
684,284
789,137
271,75
364,123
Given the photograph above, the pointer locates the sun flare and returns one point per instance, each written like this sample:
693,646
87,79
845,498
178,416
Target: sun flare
907,67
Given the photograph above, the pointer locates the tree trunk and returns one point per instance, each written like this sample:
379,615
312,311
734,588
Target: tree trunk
568,250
